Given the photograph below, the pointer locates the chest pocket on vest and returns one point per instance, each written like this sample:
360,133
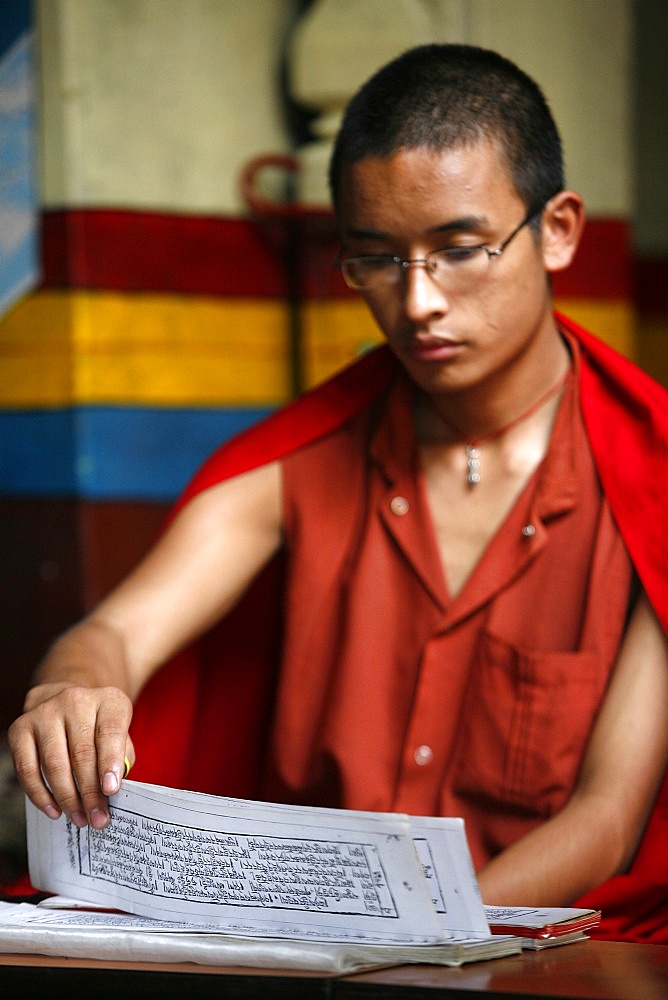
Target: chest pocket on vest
525,723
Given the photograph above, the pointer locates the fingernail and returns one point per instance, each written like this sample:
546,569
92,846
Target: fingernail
79,819
98,819
52,812
110,783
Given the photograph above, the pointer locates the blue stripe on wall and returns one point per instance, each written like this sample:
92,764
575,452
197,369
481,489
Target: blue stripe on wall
111,453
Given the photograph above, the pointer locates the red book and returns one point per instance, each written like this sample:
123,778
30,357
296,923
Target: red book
545,923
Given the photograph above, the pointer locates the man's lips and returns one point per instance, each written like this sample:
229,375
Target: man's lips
431,348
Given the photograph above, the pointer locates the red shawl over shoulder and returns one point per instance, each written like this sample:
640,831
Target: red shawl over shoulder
202,721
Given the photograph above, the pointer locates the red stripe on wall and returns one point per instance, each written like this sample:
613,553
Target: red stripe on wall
603,266
154,252
247,258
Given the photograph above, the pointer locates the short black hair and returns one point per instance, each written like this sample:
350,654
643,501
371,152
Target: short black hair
442,96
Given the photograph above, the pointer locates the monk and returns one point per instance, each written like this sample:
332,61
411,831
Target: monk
469,522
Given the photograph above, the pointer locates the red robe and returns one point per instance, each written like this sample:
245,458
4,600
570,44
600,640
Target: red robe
202,721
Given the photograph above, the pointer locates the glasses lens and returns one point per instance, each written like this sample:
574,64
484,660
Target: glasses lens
369,272
457,267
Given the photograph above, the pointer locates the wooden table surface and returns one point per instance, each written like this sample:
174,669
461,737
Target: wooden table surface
591,969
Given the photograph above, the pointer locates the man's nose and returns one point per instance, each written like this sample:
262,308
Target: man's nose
423,298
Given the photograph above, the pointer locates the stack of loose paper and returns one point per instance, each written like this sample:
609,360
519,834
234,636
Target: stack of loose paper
227,881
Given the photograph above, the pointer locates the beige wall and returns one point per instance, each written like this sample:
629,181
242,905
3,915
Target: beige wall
157,103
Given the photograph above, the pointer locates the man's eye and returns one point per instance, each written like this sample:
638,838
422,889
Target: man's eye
375,263
456,255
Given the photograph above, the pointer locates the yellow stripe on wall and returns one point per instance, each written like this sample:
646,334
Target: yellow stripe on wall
60,348
613,322
68,348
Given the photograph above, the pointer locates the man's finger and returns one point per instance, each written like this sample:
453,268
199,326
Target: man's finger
27,767
111,742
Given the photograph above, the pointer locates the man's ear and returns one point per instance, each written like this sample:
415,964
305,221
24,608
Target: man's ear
561,226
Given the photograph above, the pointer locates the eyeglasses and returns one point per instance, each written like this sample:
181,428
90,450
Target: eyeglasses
449,268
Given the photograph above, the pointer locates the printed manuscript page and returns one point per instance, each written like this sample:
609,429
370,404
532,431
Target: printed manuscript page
256,869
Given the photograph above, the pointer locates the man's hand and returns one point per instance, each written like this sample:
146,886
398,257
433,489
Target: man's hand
69,749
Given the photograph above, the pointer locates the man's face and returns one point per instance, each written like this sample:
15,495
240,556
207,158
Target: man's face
417,201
